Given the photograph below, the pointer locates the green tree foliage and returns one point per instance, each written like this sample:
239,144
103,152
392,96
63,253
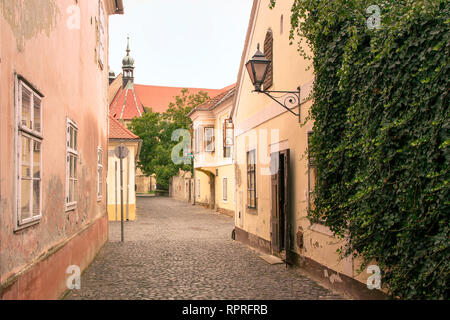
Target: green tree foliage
156,130
381,134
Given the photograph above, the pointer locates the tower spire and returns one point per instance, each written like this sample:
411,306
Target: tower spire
128,66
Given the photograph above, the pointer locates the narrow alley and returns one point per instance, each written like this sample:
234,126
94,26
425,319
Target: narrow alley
176,251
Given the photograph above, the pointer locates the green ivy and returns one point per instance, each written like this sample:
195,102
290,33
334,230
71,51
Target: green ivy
381,134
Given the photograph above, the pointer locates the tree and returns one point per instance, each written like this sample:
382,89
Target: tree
156,131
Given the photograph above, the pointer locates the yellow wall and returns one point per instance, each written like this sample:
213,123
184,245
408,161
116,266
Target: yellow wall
255,116
214,162
129,170
202,195
225,172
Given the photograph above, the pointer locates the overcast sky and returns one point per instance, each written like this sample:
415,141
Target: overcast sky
181,43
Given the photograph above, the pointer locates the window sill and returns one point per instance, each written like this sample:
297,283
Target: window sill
253,211
27,225
71,207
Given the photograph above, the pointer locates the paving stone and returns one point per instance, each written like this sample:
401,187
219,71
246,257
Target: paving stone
178,251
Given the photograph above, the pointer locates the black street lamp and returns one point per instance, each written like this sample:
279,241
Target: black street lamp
257,68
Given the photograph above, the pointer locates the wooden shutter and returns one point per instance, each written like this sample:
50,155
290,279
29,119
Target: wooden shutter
268,52
275,210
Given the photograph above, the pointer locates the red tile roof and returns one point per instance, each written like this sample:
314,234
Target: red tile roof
126,105
216,100
158,98
118,130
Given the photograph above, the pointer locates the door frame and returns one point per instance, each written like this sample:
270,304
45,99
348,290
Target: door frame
276,227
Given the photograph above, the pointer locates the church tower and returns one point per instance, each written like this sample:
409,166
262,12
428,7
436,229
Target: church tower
128,67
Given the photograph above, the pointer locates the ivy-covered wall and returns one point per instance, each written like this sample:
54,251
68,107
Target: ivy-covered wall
381,133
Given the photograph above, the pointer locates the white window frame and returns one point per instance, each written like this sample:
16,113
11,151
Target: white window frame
22,130
99,173
71,152
198,139
225,189
228,139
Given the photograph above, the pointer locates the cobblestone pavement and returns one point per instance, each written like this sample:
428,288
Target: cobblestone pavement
177,251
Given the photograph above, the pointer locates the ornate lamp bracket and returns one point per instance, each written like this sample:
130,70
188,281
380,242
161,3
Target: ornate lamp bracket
288,99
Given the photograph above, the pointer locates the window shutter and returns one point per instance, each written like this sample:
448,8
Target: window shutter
268,52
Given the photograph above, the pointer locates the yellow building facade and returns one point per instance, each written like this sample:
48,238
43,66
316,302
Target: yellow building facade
274,177
213,154
118,134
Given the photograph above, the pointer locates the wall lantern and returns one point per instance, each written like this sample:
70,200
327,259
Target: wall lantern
257,68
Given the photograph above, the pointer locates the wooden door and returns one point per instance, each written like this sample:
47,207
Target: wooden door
286,205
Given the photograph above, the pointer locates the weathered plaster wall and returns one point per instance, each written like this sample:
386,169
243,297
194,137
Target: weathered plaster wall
62,64
180,187
129,174
225,172
28,19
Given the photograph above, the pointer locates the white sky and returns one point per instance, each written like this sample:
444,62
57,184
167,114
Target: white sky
181,43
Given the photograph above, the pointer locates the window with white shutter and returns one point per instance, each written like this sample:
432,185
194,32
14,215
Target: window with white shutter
72,164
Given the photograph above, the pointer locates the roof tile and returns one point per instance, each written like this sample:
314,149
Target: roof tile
118,130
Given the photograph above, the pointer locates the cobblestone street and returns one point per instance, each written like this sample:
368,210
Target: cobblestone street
177,251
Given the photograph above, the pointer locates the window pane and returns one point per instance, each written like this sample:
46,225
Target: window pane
70,166
25,199
227,152
75,139
36,159
36,197
37,114
70,137
26,108
74,167
26,165
70,190
75,194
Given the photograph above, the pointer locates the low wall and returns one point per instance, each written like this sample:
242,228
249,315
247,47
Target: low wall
181,188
